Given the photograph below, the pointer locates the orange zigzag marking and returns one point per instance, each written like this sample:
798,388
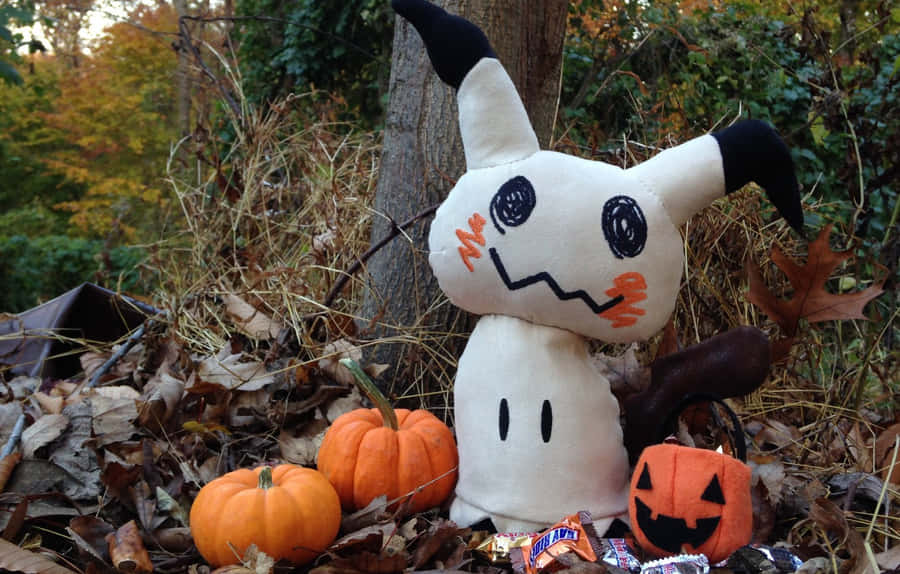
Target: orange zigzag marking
476,223
631,286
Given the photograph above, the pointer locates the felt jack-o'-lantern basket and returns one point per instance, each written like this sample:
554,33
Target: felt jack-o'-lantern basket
693,500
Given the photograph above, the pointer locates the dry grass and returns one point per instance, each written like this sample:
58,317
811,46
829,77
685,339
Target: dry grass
275,223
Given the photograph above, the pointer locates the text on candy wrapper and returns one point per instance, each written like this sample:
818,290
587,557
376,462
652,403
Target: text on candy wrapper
549,539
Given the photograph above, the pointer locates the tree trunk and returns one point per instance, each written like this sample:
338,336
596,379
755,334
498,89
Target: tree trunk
421,333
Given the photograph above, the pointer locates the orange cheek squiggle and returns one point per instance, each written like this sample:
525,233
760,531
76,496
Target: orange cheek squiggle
467,250
631,286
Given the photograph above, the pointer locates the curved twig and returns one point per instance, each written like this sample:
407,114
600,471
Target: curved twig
357,265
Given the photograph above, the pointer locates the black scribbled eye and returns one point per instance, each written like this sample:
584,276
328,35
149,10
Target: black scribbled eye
546,421
504,419
513,203
624,226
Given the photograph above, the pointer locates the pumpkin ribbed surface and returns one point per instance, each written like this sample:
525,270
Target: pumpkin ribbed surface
365,459
296,518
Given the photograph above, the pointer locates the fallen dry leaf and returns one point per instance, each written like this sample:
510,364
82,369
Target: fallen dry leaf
373,513
7,465
16,520
15,559
371,563
176,540
72,455
52,405
166,503
249,320
114,410
831,519
887,448
9,414
257,561
332,353
442,532
89,533
163,399
770,474
370,538
302,448
227,370
776,434
127,551
810,300
44,431
889,559
625,373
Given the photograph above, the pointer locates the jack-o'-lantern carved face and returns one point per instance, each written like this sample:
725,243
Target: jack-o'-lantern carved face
690,499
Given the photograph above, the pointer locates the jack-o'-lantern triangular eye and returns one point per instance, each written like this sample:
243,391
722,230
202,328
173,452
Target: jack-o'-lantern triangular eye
644,480
713,492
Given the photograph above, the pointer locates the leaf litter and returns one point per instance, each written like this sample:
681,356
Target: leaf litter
245,370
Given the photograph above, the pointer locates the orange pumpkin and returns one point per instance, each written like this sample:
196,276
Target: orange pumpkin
367,453
700,498
290,512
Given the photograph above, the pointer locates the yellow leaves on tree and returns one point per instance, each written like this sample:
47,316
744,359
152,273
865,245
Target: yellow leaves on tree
810,300
116,110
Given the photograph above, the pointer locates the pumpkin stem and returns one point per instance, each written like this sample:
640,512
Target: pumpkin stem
368,387
265,478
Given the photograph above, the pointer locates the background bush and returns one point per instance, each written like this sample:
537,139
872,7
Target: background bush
37,269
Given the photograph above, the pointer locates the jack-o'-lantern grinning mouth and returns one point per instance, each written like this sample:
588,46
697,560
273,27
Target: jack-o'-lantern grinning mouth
670,533
554,286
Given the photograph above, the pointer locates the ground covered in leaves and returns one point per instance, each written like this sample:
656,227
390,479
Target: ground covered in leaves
242,369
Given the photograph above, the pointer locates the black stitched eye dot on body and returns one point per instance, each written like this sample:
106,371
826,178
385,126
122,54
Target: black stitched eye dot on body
513,203
624,226
546,421
504,419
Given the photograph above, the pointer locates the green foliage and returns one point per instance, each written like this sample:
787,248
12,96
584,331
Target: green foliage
660,72
11,13
38,269
341,47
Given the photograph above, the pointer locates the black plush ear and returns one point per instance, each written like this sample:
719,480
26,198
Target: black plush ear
753,151
454,44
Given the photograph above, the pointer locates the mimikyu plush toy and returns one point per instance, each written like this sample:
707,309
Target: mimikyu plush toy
551,249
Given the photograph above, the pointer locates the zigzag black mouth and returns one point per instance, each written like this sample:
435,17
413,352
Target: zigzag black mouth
554,286
671,533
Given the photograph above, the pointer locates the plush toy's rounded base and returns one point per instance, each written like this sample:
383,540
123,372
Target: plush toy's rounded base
465,514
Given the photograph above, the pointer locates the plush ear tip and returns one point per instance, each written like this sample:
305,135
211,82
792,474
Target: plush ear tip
753,151
412,9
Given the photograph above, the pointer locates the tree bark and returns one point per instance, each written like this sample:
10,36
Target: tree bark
420,333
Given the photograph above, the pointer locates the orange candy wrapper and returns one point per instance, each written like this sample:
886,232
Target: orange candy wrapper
568,535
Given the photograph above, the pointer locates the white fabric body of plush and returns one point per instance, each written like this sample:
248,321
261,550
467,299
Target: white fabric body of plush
523,483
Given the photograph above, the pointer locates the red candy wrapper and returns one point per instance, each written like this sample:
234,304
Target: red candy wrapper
568,535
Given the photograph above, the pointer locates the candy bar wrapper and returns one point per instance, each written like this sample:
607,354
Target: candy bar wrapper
616,552
498,547
680,564
750,559
568,535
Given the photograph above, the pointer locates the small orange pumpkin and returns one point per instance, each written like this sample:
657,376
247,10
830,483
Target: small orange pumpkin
290,512
367,453
701,500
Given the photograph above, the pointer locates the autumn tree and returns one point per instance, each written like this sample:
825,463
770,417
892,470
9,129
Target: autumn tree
118,112
422,158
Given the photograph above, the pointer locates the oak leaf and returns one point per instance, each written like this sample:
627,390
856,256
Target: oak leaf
810,300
